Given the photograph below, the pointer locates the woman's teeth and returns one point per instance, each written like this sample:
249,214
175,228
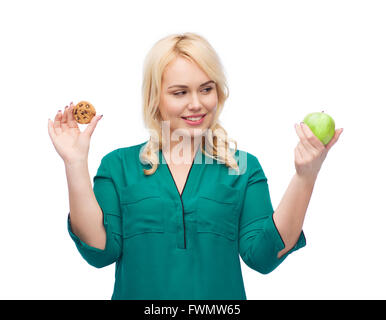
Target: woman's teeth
194,119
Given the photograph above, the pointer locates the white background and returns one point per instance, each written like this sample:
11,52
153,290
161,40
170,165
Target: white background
283,59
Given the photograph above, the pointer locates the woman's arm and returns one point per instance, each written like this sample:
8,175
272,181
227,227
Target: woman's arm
73,145
85,213
309,156
290,213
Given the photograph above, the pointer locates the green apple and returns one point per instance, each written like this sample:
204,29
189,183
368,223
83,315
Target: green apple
322,125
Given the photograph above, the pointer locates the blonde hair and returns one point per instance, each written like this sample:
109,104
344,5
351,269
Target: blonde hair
198,50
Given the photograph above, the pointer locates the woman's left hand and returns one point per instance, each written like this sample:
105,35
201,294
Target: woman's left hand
310,151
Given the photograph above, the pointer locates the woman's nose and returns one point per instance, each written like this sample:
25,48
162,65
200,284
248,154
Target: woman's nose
195,102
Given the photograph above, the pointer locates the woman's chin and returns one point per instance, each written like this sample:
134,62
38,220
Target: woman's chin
189,132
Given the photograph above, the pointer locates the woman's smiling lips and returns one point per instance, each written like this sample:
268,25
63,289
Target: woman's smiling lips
195,115
195,122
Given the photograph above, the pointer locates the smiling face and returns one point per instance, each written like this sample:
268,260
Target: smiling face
187,91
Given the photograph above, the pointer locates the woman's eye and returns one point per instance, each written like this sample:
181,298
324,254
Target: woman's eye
208,90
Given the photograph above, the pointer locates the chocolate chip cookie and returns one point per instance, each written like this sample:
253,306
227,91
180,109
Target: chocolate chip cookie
83,112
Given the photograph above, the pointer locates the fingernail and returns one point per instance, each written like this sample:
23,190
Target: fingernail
66,107
60,111
100,117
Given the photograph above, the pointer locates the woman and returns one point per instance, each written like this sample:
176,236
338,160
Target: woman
175,212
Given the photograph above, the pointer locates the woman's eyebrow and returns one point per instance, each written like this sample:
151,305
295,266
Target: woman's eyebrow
183,86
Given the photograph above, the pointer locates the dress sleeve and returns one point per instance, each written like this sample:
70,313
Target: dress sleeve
108,200
259,239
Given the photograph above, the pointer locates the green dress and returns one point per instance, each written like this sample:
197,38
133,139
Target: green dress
171,246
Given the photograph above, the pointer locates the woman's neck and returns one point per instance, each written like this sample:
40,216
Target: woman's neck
180,152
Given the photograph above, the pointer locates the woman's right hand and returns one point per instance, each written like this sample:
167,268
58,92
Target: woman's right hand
71,144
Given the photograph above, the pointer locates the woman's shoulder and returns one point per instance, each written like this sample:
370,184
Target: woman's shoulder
247,160
244,153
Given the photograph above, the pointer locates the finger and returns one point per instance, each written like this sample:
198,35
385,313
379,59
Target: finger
51,130
57,120
298,154
303,139
313,140
91,127
334,139
70,117
302,150
63,122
